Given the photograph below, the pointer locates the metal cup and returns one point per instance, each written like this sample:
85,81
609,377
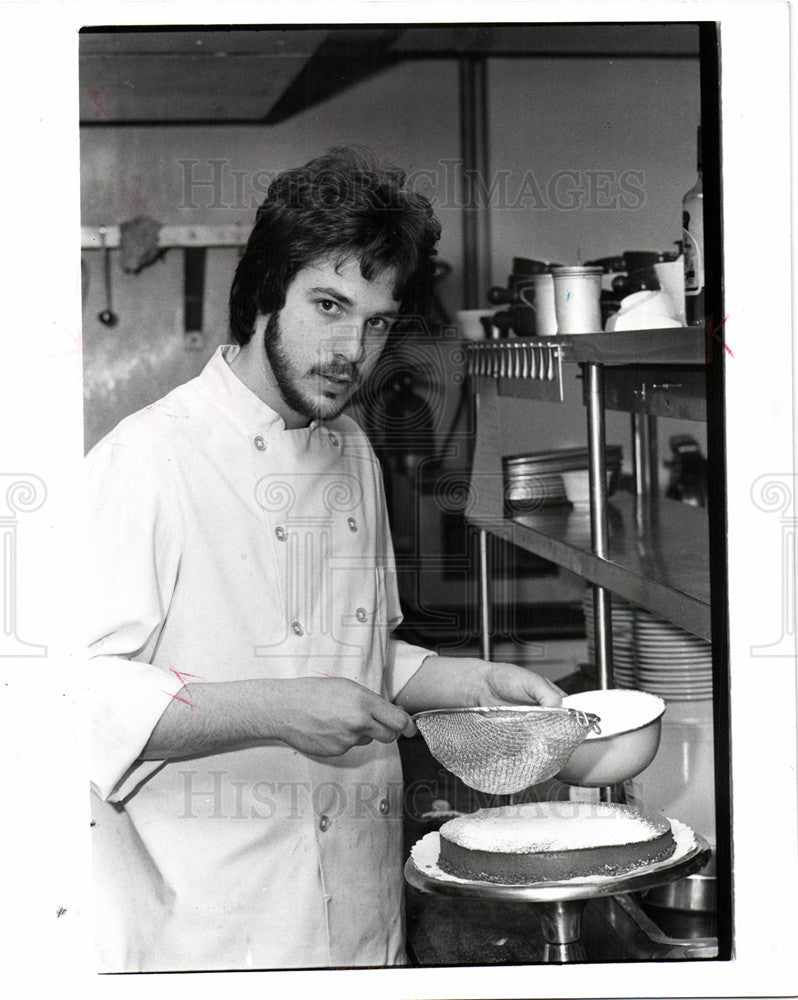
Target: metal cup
577,291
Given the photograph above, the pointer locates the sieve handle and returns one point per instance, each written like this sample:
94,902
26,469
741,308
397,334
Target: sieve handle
590,724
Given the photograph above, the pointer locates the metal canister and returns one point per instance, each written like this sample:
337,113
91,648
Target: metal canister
577,294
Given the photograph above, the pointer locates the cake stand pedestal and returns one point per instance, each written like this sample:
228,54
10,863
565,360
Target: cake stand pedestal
561,923
560,905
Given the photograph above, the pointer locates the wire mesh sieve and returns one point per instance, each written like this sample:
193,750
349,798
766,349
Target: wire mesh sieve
504,749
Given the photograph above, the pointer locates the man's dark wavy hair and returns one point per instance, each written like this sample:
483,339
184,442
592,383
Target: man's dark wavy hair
339,206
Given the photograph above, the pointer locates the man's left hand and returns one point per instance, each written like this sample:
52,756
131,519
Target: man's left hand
466,682
509,684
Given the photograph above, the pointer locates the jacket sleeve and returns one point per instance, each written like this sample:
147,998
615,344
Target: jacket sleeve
133,560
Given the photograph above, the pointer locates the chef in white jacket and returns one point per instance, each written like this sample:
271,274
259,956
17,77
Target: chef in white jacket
247,792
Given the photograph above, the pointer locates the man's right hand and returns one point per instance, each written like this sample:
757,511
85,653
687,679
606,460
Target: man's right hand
326,716
320,716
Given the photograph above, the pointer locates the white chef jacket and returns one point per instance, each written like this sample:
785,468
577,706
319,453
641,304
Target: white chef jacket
224,546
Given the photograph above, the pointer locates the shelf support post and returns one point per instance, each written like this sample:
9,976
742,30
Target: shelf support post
599,525
484,596
645,457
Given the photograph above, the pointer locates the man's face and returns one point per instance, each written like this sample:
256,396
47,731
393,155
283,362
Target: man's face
327,338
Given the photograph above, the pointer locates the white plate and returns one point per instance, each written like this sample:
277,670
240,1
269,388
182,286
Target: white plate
673,689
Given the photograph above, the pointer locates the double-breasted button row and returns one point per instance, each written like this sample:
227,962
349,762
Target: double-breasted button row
361,614
282,534
324,821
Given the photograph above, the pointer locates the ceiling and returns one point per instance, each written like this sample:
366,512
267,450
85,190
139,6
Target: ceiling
265,75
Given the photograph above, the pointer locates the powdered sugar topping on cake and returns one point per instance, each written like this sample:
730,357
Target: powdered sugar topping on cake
551,826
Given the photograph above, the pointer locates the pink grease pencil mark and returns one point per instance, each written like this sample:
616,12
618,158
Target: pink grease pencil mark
713,333
182,678
96,97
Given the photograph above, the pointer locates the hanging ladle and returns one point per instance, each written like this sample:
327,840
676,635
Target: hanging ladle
107,317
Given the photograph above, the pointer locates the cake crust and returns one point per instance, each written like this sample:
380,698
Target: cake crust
551,841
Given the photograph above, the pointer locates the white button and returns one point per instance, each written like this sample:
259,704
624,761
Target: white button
297,628
384,807
260,444
333,439
361,614
352,523
280,532
324,823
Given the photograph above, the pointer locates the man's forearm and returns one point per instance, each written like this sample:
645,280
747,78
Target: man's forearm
320,716
443,682
209,718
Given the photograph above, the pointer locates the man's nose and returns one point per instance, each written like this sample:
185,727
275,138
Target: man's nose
348,342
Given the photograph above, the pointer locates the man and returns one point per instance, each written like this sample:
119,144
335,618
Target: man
249,694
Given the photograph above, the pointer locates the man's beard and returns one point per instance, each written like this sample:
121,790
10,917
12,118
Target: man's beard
287,381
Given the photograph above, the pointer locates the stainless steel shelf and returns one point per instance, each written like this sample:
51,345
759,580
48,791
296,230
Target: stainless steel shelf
658,552
672,346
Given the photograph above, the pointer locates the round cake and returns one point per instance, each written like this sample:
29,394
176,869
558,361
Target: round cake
552,842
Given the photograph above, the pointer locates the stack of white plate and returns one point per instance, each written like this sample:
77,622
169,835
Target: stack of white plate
654,655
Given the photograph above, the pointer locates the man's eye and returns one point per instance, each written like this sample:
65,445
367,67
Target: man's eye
378,324
329,307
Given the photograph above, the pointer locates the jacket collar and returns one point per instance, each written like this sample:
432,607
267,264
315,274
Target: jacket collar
220,383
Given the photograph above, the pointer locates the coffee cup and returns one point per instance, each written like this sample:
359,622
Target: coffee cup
542,301
670,275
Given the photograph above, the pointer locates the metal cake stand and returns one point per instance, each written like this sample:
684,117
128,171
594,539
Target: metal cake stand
560,905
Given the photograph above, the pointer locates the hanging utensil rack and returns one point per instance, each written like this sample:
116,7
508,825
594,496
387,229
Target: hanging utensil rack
232,235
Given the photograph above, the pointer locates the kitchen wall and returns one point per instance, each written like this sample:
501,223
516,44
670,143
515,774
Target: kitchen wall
598,154
588,157
217,175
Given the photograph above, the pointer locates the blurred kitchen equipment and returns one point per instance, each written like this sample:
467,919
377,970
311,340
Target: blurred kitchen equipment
680,782
501,749
653,655
577,293
695,894
469,322
552,477
107,317
630,272
693,240
688,469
